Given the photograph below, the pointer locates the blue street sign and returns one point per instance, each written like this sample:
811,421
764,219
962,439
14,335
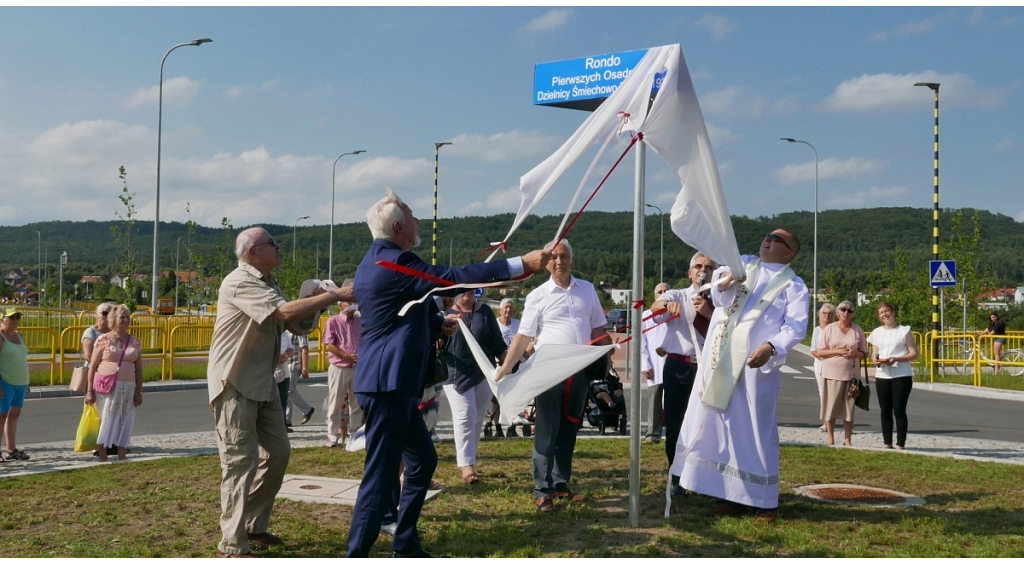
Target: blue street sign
942,273
479,293
582,84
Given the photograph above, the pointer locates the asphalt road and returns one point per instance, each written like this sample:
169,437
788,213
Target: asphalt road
932,413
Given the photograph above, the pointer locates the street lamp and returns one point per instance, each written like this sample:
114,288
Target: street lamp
433,251
814,303
60,292
936,326
293,235
330,250
159,132
176,276
661,278
39,260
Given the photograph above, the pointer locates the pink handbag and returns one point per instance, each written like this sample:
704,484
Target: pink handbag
104,383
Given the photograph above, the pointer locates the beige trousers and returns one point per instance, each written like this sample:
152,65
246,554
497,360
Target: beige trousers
344,416
254,452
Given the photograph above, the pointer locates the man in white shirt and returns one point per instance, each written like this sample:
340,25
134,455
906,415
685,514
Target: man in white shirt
684,339
653,365
563,310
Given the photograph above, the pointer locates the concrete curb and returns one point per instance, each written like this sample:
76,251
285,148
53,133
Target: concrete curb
38,392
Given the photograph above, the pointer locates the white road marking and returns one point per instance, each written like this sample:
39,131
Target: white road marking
803,377
789,369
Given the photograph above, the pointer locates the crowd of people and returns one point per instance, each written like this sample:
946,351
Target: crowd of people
711,354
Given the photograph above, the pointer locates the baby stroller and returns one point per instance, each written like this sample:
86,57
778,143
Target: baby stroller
606,404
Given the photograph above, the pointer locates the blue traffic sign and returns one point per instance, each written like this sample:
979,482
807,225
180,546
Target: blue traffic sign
478,293
942,273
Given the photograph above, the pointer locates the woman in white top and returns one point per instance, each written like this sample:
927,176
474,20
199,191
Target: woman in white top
893,349
826,316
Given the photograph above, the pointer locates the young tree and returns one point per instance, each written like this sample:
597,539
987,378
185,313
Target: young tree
123,240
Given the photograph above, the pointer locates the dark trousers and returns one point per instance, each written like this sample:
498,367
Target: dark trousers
677,380
892,400
282,390
394,432
555,437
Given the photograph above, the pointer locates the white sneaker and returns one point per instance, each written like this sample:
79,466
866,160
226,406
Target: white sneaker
520,420
331,443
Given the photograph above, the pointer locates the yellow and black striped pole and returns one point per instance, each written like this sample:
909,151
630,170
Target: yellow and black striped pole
433,239
936,327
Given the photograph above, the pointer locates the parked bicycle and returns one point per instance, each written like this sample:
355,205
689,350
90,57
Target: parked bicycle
966,355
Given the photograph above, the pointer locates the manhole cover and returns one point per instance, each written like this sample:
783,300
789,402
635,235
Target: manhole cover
310,487
851,494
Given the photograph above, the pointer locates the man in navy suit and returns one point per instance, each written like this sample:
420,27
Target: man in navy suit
392,366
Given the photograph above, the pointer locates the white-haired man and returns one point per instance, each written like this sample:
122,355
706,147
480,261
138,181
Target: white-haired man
681,346
251,435
390,375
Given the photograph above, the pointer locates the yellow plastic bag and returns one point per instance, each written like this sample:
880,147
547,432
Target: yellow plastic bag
88,430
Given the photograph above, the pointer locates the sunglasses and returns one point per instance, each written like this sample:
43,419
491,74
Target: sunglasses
272,242
777,239
105,313
846,310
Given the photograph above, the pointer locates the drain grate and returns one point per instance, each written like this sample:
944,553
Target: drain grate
310,487
852,494
859,495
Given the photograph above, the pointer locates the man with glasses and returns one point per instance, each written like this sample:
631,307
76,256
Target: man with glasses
729,445
653,365
251,435
687,315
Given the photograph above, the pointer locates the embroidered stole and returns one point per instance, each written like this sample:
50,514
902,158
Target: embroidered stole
730,345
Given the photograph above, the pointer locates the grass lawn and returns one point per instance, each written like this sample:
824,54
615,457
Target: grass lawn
170,508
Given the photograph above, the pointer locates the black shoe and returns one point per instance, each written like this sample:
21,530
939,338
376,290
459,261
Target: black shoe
678,491
289,429
511,431
305,418
487,430
527,431
497,431
417,553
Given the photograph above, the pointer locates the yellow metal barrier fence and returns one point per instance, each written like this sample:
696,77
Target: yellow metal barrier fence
44,342
184,342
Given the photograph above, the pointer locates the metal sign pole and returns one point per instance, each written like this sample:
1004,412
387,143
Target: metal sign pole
635,378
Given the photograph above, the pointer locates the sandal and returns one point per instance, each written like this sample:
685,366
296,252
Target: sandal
17,455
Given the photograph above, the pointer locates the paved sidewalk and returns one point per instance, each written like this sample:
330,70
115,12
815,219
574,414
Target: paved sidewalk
55,456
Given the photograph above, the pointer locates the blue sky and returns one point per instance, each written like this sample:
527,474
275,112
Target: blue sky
254,120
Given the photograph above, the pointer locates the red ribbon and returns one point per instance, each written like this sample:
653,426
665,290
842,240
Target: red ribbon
499,245
414,272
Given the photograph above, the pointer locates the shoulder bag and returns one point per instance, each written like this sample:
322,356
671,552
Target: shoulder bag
863,397
104,383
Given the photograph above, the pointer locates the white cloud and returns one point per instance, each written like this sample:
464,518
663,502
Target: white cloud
270,84
71,173
1020,216
872,197
504,146
977,16
177,90
549,21
719,26
500,201
1005,144
721,135
737,101
872,92
830,168
909,28
234,92
1008,21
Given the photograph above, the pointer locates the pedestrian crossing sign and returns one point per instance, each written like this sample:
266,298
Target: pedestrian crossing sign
942,273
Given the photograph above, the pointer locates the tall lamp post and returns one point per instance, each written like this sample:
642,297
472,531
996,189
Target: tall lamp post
293,235
159,135
176,276
814,302
60,292
661,277
433,246
330,249
936,326
39,273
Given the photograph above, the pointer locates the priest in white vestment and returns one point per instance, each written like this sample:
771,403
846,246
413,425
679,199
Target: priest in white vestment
729,444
